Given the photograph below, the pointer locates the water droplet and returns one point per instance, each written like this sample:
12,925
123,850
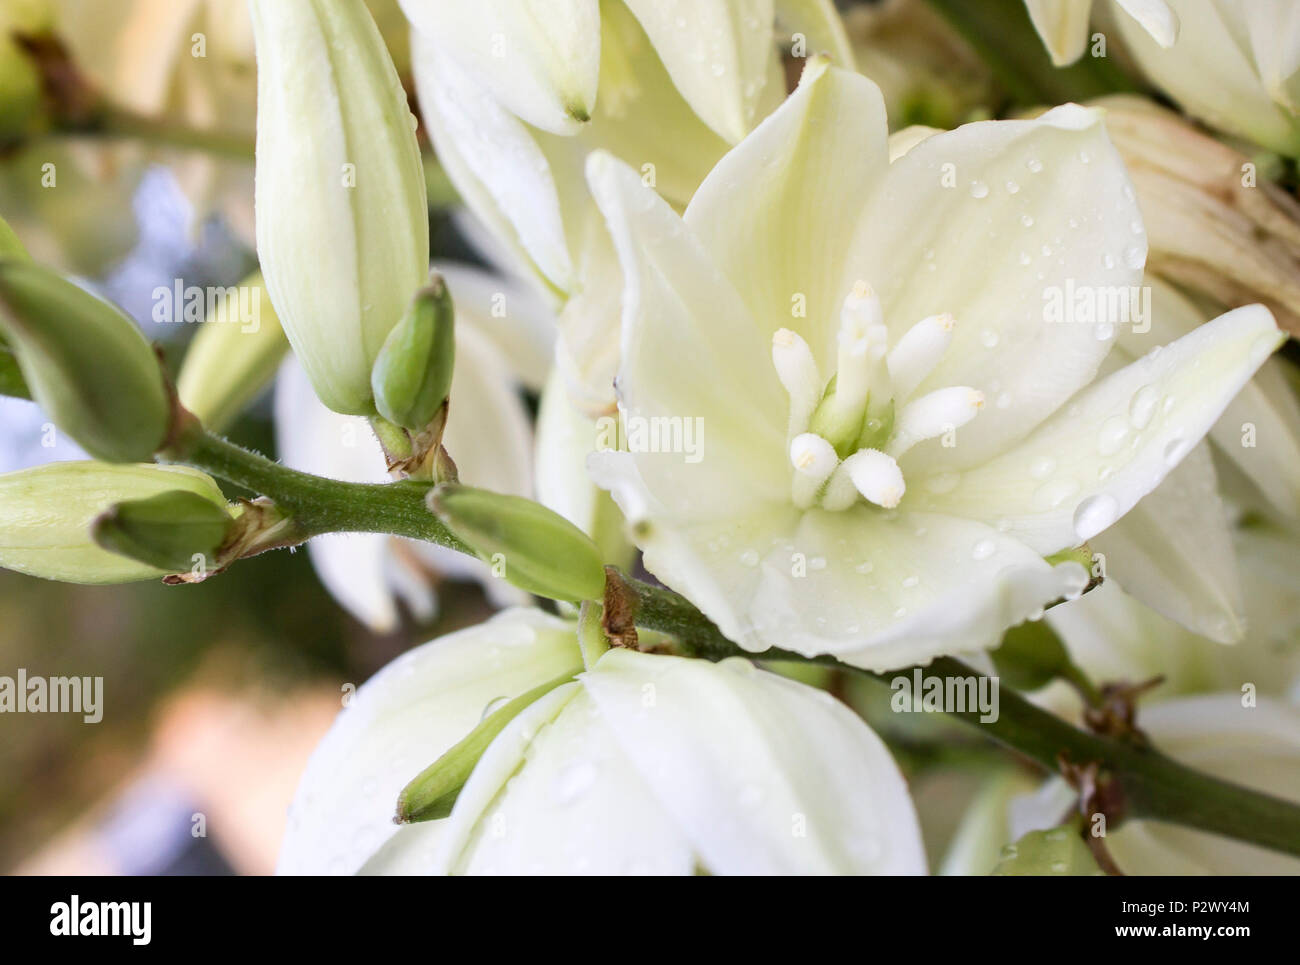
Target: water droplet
749,558
1042,467
1142,407
1084,157
718,70
983,549
1027,220
1112,435
1003,400
1175,449
1012,187
910,582
1108,261
1095,514
1052,494
866,566
1135,256
817,563
989,338
1105,332
1059,867
1056,834
1024,258
978,189
1034,165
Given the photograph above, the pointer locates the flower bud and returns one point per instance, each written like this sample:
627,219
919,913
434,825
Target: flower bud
540,551
11,376
412,376
170,531
432,793
20,80
10,246
1059,851
229,362
46,515
342,221
85,362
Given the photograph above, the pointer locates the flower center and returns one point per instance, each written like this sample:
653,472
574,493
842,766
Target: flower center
846,434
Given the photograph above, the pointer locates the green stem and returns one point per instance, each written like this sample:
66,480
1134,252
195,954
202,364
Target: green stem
114,122
1153,786
320,505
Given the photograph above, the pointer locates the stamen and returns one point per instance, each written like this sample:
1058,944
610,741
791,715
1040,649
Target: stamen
876,476
797,370
814,460
918,352
932,415
862,339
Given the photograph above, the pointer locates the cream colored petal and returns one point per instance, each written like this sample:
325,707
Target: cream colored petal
1156,17
717,53
997,223
690,352
539,58
1091,462
1174,552
763,775
1274,30
1063,26
779,212
1211,72
398,723
494,160
820,25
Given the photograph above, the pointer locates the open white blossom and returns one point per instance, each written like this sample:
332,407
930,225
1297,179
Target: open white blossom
1063,24
488,436
898,427
643,764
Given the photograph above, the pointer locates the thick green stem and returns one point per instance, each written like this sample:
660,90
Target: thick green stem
1152,785
320,505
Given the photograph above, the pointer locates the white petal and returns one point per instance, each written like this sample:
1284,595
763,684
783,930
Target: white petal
494,160
717,52
1173,551
764,775
1156,17
1212,72
992,223
1087,466
1063,25
820,24
401,721
690,351
564,800
540,58
779,211
510,313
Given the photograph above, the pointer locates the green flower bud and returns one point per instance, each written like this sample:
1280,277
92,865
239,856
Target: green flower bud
1032,656
46,514
10,246
412,376
534,548
170,531
432,793
11,376
20,80
342,218
1059,851
85,362
228,363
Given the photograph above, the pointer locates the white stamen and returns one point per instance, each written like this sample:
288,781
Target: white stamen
876,476
918,352
935,413
862,338
797,370
814,460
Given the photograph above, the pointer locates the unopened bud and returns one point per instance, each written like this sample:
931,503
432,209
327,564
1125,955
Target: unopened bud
167,531
412,376
540,550
86,363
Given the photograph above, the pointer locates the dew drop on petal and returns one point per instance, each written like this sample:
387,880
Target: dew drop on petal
978,189
983,549
1175,449
1042,467
1142,407
1027,220
749,558
1112,435
989,338
1034,165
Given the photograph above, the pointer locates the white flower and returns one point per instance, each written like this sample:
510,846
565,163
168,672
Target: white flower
342,219
1256,746
676,85
1063,24
488,436
643,764
1235,65
906,512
